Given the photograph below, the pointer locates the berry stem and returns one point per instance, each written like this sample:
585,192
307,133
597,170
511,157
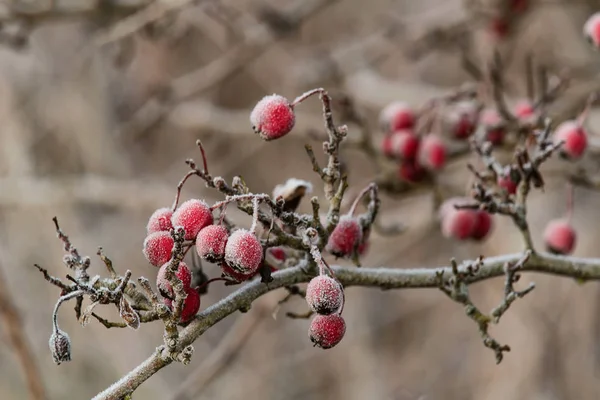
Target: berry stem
180,186
306,95
208,282
61,300
368,189
239,197
588,105
204,160
255,203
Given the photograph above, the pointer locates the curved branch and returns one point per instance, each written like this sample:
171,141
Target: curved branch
583,269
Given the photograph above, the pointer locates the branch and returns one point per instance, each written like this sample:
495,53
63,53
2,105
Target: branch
582,269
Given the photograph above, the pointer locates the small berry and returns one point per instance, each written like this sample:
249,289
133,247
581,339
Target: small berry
324,295
345,237
411,172
192,215
327,330
462,120
483,225
525,112
396,116
243,252
493,126
432,153
272,117
236,276
591,30
457,223
560,237
210,243
191,305
499,27
164,286
404,144
574,137
160,220
278,253
508,181
158,247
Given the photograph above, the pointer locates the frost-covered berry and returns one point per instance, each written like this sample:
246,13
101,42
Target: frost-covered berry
327,330
493,126
508,181
192,215
411,171
560,236
210,243
278,253
462,119
591,29
396,116
432,153
404,144
345,237
164,286
324,295
272,117
191,305
243,252
158,247
457,223
483,225
574,137
160,220
525,112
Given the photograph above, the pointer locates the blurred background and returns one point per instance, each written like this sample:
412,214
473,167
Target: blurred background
101,101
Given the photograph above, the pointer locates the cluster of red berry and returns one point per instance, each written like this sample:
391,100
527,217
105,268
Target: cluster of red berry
240,254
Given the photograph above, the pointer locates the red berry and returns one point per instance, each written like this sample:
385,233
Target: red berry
404,144
507,182
191,305
345,237
499,27
327,330
278,253
396,116
457,223
210,243
158,247
164,286
236,276
462,119
192,215
324,295
483,225
493,126
574,137
560,236
410,171
432,153
160,220
272,117
243,252
591,30
525,112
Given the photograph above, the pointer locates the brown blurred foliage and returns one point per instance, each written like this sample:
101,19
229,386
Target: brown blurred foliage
74,144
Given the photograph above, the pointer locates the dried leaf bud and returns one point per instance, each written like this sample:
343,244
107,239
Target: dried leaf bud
129,315
60,346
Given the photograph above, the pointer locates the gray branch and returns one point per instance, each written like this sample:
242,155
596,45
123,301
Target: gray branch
582,269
